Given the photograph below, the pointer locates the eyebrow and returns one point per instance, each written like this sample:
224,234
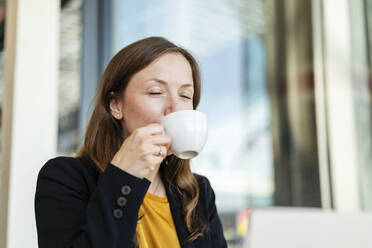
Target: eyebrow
165,83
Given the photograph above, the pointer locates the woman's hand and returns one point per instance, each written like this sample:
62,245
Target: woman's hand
143,151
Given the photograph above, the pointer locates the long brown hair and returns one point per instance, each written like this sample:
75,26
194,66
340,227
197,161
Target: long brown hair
104,133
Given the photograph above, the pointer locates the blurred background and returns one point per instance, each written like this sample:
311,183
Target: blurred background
286,86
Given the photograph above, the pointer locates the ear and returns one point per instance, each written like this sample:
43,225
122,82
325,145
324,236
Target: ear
116,109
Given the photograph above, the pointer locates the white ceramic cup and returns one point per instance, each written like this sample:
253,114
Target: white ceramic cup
188,130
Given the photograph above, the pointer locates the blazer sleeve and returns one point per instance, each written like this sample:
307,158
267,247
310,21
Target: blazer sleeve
69,216
217,237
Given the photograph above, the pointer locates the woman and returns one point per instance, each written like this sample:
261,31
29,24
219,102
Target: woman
125,188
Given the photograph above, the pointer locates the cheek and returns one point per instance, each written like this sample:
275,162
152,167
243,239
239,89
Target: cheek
143,111
151,113
190,106
185,105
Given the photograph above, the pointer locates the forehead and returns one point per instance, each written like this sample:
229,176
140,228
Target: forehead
172,68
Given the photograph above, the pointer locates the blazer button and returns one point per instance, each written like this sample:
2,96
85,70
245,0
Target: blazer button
121,201
118,213
125,190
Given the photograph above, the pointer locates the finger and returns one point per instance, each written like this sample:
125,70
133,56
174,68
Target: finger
152,158
151,129
155,166
160,140
153,162
169,152
159,150
163,151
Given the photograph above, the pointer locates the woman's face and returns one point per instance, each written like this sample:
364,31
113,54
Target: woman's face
163,87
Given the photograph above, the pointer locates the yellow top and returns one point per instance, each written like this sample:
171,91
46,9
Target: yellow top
156,227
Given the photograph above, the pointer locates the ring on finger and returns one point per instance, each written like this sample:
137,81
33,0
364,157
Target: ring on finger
161,151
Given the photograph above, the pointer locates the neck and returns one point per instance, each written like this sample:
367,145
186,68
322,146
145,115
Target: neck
156,186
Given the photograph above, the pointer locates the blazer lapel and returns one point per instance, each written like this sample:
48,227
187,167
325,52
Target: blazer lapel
176,208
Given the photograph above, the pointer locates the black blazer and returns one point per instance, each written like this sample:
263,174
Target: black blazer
76,206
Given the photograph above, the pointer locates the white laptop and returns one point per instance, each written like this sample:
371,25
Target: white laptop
308,228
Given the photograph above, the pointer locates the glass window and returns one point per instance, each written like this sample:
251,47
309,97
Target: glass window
361,55
2,41
257,91
69,75
227,39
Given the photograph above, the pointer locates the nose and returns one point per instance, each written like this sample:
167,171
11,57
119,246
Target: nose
172,104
